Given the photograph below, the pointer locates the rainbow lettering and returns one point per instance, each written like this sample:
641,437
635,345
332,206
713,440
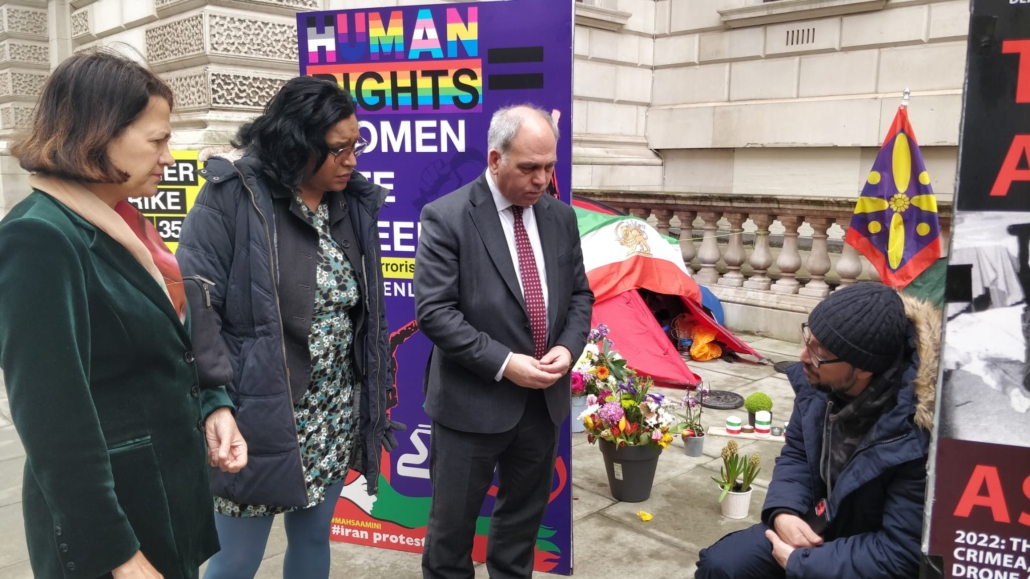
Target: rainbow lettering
425,38
425,78
388,39
468,33
447,87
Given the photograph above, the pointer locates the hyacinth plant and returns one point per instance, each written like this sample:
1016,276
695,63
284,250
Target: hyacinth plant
691,410
600,367
734,467
630,415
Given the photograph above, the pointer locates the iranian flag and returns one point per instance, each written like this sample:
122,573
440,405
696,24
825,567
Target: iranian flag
623,253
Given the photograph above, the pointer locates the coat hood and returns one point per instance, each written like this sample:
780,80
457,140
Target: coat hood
926,321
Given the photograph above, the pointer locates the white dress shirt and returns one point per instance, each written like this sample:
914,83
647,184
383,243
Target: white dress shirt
508,225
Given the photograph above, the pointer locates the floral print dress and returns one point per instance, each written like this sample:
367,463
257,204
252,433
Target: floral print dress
326,426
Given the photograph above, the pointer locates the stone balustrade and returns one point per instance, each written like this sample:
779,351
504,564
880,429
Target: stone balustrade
770,260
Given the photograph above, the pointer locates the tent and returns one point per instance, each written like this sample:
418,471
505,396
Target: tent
641,284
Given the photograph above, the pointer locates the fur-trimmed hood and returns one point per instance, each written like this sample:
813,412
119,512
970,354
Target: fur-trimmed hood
926,321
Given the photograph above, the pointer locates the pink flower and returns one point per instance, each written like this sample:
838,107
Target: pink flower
656,435
579,384
612,413
591,399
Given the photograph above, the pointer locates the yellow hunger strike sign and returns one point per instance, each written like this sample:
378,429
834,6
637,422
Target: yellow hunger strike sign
399,267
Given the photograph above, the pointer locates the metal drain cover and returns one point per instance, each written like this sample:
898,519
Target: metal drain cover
723,400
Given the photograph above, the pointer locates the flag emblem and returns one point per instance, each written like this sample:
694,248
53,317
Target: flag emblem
895,225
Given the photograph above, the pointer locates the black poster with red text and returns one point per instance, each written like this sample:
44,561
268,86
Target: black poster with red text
979,507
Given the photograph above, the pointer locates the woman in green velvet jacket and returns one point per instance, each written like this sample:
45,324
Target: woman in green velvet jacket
94,340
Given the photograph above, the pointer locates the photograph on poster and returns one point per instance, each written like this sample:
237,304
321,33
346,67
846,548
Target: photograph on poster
984,352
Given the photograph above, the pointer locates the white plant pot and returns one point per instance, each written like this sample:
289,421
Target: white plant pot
579,404
736,505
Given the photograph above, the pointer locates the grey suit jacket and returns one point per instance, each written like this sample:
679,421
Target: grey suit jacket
469,304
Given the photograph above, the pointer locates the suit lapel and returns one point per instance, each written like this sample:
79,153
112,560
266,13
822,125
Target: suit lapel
547,226
488,224
121,260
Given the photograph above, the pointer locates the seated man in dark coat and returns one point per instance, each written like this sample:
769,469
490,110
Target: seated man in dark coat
846,497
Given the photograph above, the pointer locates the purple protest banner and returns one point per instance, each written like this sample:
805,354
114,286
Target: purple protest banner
427,80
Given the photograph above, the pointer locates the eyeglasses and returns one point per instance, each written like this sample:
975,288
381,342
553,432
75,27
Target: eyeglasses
806,335
357,148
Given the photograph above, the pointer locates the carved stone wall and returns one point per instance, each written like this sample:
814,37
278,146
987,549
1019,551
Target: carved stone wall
80,23
26,21
248,37
177,39
15,117
191,91
21,83
16,51
243,91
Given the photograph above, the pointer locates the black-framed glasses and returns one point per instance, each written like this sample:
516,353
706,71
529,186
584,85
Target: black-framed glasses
357,148
806,336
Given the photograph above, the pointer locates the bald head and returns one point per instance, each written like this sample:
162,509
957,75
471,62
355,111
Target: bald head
506,124
523,151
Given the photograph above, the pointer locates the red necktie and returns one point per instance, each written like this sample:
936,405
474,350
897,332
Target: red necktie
531,289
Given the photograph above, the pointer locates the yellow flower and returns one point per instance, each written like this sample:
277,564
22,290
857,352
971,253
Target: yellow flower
622,424
667,438
645,516
603,373
662,443
589,423
627,404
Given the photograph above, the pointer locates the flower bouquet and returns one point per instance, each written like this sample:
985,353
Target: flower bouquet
599,368
691,429
633,425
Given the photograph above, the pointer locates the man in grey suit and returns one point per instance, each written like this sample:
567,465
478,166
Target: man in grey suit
501,291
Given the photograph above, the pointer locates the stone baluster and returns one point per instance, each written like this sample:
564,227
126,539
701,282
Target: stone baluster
641,212
789,260
761,256
734,255
664,216
849,266
818,260
687,235
709,253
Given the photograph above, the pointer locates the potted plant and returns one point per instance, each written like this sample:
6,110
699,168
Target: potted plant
599,368
691,430
632,425
736,475
755,403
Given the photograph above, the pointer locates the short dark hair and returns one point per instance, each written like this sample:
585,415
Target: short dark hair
89,100
291,131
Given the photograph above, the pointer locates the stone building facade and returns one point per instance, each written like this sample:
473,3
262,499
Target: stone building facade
782,98
754,121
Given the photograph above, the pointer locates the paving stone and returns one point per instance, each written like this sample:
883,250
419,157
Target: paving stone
356,562
739,369
10,444
586,503
778,346
686,513
11,474
12,536
604,547
17,571
718,380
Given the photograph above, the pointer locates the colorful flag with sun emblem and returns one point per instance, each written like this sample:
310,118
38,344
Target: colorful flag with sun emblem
895,223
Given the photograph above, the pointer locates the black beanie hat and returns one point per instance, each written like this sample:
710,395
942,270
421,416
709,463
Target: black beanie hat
865,325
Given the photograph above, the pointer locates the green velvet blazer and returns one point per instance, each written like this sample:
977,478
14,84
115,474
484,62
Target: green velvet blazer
105,397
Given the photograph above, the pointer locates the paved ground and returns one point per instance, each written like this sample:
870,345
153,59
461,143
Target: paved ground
683,501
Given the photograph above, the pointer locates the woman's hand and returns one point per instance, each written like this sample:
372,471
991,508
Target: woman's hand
136,568
226,448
